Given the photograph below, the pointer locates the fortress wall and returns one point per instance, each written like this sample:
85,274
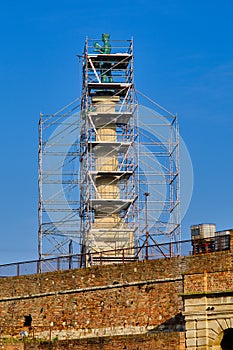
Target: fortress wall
101,302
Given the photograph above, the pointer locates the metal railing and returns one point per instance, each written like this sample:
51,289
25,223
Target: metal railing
120,256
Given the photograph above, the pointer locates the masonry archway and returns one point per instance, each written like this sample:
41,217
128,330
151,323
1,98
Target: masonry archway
224,340
227,340
212,327
216,344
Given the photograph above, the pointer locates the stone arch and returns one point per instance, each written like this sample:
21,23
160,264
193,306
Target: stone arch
216,344
227,340
224,340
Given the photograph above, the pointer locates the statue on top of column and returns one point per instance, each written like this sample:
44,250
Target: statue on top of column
105,67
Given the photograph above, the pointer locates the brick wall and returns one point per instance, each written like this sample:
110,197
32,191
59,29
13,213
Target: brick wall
124,299
133,295
16,346
159,340
208,281
168,341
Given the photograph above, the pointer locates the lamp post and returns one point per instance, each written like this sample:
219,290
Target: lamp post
146,218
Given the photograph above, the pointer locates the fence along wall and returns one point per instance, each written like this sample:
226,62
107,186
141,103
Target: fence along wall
68,262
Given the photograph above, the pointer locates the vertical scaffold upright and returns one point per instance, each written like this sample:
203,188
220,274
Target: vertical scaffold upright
109,167
108,172
58,205
159,180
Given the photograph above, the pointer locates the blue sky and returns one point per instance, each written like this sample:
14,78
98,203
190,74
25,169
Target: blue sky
183,60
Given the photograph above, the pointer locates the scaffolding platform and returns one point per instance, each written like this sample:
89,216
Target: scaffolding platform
111,89
103,119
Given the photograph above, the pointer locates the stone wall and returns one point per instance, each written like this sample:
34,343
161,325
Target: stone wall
121,299
208,303
113,300
168,341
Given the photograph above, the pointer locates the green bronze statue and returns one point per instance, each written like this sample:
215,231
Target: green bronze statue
106,48
105,67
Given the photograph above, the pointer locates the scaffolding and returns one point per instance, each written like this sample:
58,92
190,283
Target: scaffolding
109,168
159,180
108,172
58,205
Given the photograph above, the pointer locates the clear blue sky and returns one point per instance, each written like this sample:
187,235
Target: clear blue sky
183,60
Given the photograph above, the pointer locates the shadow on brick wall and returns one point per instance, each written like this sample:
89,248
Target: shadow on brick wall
174,324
